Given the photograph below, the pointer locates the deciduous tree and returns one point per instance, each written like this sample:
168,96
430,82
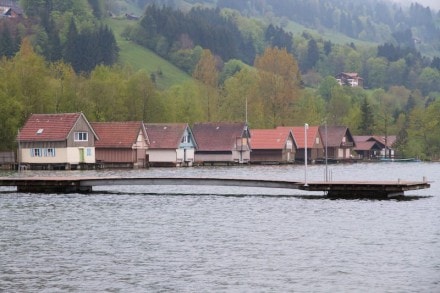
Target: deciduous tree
279,85
207,73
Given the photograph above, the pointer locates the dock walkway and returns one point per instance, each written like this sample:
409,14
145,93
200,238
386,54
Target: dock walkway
372,189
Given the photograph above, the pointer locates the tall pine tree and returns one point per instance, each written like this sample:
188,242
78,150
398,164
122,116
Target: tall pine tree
367,120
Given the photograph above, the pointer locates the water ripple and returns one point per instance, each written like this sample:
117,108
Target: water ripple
138,240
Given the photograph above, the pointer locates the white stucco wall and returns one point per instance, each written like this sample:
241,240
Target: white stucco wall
62,155
162,156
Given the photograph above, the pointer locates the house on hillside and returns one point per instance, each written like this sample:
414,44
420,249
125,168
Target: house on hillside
222,143
9,8
171,144
338,141
57,141
121,144
315,147
350,79
272,146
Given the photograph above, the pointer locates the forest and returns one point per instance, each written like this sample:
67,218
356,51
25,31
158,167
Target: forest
63,58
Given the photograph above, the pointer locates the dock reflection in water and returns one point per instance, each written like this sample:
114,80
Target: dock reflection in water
137,238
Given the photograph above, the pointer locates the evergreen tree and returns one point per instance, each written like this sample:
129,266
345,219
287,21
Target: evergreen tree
367,121
435,63
7,46
53,49
98,8
277,37
71,53
312,55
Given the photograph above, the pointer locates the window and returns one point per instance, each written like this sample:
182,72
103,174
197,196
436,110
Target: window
36,153
186,138
81,136
89,152
50,152
317,140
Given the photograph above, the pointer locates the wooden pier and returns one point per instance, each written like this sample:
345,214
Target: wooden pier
346,189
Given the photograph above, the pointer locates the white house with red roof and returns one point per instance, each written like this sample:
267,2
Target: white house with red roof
121,144
170,144
56,141
315,146
272,146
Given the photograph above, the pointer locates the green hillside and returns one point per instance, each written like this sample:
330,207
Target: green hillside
139,58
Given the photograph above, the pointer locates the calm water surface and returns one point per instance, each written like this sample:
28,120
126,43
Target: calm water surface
223,239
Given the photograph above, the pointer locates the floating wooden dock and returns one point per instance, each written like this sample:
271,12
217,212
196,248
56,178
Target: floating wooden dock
368,189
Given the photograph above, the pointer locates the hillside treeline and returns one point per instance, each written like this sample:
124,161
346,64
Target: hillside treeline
62,30
369,20
179,38
376,21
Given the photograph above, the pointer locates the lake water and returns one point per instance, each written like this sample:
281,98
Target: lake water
223,239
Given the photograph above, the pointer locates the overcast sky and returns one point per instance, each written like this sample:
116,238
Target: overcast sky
434,4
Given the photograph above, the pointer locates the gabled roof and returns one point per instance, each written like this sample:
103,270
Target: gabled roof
165,135
361,138
270,139
335,134
50,127
390,139
218,136
367,145
299,135
353,75
117,134
8,5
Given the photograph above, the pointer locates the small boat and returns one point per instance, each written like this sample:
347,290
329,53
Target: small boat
399,160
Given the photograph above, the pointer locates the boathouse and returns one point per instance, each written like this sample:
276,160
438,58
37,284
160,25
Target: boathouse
375,146
315,147
272,146
222,143
57,141
366,149
170,144
338,142
121,144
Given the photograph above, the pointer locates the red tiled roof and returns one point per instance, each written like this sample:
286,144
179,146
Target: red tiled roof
217,136
269,139
165,136
48,127
116,134
299,135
